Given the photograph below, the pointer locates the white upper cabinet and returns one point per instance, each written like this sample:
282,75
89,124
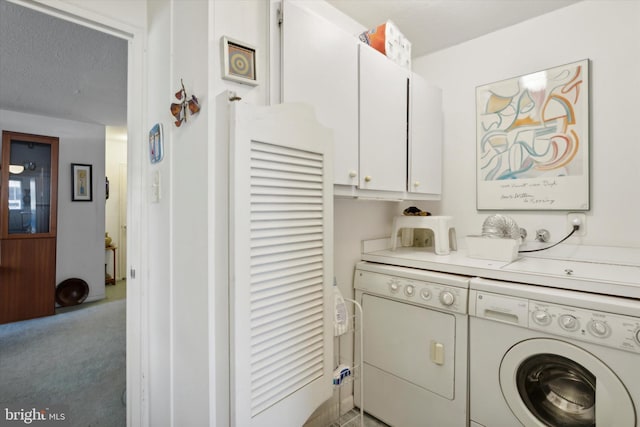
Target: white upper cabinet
425,137
386,121
320,67
383,122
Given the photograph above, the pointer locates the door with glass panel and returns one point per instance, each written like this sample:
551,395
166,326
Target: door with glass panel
28,217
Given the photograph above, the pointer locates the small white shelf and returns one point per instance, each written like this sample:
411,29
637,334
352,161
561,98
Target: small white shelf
352,417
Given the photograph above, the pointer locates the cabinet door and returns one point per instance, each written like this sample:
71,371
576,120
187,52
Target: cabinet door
383,122
28,218
27,278
320,67
425,140
28,208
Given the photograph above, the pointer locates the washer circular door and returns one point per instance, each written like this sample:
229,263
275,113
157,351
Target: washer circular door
548,382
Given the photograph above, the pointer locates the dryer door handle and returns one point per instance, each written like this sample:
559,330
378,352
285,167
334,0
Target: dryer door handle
437,352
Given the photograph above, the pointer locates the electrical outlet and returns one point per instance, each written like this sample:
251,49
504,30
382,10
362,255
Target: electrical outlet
580,219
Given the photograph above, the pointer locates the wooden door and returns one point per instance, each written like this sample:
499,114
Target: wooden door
28,221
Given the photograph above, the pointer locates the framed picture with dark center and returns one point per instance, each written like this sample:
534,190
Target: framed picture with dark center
239,61
81,183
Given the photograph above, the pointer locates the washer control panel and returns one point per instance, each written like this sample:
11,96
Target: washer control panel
420,292
608,329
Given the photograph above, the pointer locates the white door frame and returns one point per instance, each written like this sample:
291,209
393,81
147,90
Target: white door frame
137,306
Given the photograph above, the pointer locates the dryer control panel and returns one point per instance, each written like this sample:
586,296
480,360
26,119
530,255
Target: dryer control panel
441,296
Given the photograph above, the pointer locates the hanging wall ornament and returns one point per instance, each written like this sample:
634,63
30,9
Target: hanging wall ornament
179,109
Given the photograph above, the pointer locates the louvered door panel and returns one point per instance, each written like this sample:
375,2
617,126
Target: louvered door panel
281,211
285,354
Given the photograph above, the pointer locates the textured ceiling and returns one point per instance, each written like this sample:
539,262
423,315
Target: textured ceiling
56,68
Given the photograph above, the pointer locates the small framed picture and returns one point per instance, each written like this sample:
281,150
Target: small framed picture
82,183
239,61
156,143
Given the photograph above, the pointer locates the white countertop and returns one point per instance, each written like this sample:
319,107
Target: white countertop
596,269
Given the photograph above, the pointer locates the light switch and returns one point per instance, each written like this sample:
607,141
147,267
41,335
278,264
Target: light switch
155,187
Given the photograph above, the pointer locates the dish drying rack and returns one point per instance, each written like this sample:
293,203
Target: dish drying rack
353,417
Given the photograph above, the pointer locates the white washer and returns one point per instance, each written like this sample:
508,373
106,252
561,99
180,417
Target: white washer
550,357
415,345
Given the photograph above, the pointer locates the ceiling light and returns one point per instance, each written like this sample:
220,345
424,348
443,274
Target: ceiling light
16,169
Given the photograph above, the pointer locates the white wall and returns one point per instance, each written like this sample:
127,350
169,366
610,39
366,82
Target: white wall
160,91
247,22
185,386
80,240
189,210
608,33
185,317
178,221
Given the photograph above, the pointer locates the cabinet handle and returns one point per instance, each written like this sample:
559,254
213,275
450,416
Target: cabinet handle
367,178
353,174
416,184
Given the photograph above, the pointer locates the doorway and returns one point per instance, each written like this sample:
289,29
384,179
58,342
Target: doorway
91,16
116,206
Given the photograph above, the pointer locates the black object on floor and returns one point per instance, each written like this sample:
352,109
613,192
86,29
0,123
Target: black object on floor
71,292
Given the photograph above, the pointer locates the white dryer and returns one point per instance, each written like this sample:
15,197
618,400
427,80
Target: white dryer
550,357
414,346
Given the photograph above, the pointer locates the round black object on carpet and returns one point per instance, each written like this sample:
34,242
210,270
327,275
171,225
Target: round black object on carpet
71,292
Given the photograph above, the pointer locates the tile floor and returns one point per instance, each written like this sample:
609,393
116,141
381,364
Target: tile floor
352,419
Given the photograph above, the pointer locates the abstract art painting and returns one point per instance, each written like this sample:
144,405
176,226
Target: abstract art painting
533,141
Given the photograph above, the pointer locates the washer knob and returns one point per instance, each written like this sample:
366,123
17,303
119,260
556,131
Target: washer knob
569,322
409,290
541,317
637,336
394,285
599,329
447,298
